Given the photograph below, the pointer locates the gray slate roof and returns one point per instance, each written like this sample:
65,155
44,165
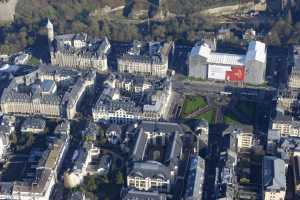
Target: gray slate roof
274,173
141,195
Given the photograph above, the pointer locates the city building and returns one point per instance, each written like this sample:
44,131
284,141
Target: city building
296,174
4,146
150,59
21,58
274,179
201,130
78,50
226,175
282,147
43,169
132,194
294,78
277,6
250,68
33,125
82,166
195,179
243,134
104,165
286,125
128,98
287,101
7,127
272,141
84,157
49,91
114,134
249,35
155,157
233,175
77,196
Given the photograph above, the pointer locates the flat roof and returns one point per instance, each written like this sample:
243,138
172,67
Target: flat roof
227,59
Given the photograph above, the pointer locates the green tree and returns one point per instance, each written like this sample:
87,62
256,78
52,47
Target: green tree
159,31
78,27
119,178
103,179
90,183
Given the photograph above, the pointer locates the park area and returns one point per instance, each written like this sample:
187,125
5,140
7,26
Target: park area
209,116
242,112
192,104
237,112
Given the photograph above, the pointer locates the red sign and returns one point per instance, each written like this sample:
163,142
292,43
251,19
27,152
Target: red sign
236,74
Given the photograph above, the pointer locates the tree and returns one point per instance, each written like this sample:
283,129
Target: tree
13,138
159,31
79,27
93,27
90,183
102,139
273,39
103,179
244,181
119,178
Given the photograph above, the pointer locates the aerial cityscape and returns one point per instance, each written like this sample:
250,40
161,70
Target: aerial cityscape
150,100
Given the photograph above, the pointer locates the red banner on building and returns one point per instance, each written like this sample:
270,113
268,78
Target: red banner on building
236,74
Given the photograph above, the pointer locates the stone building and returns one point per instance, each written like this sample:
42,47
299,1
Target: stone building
195,179
155,158
147,59
127,98
41,171
49,91
250,68
78,50
294,78
286,125
243,135
296,174
274,179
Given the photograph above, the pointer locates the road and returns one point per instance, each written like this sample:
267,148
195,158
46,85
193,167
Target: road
186,87
199,88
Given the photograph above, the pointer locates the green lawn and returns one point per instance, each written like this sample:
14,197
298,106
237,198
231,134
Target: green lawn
229,119
246,108
193,103
33,61
208,116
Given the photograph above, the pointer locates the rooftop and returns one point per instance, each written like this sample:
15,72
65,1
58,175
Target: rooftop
169,143
68,43
150,169
296,57
41,167
156,52
226,59
142,195
256,51
274,173
33,123
135,95
296,162
195,178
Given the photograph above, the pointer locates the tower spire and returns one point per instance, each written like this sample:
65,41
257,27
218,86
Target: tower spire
50,29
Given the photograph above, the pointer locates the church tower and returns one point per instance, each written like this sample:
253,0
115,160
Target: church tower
50,31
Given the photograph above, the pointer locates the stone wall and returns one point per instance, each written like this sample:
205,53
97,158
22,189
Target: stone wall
233,9
7,10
